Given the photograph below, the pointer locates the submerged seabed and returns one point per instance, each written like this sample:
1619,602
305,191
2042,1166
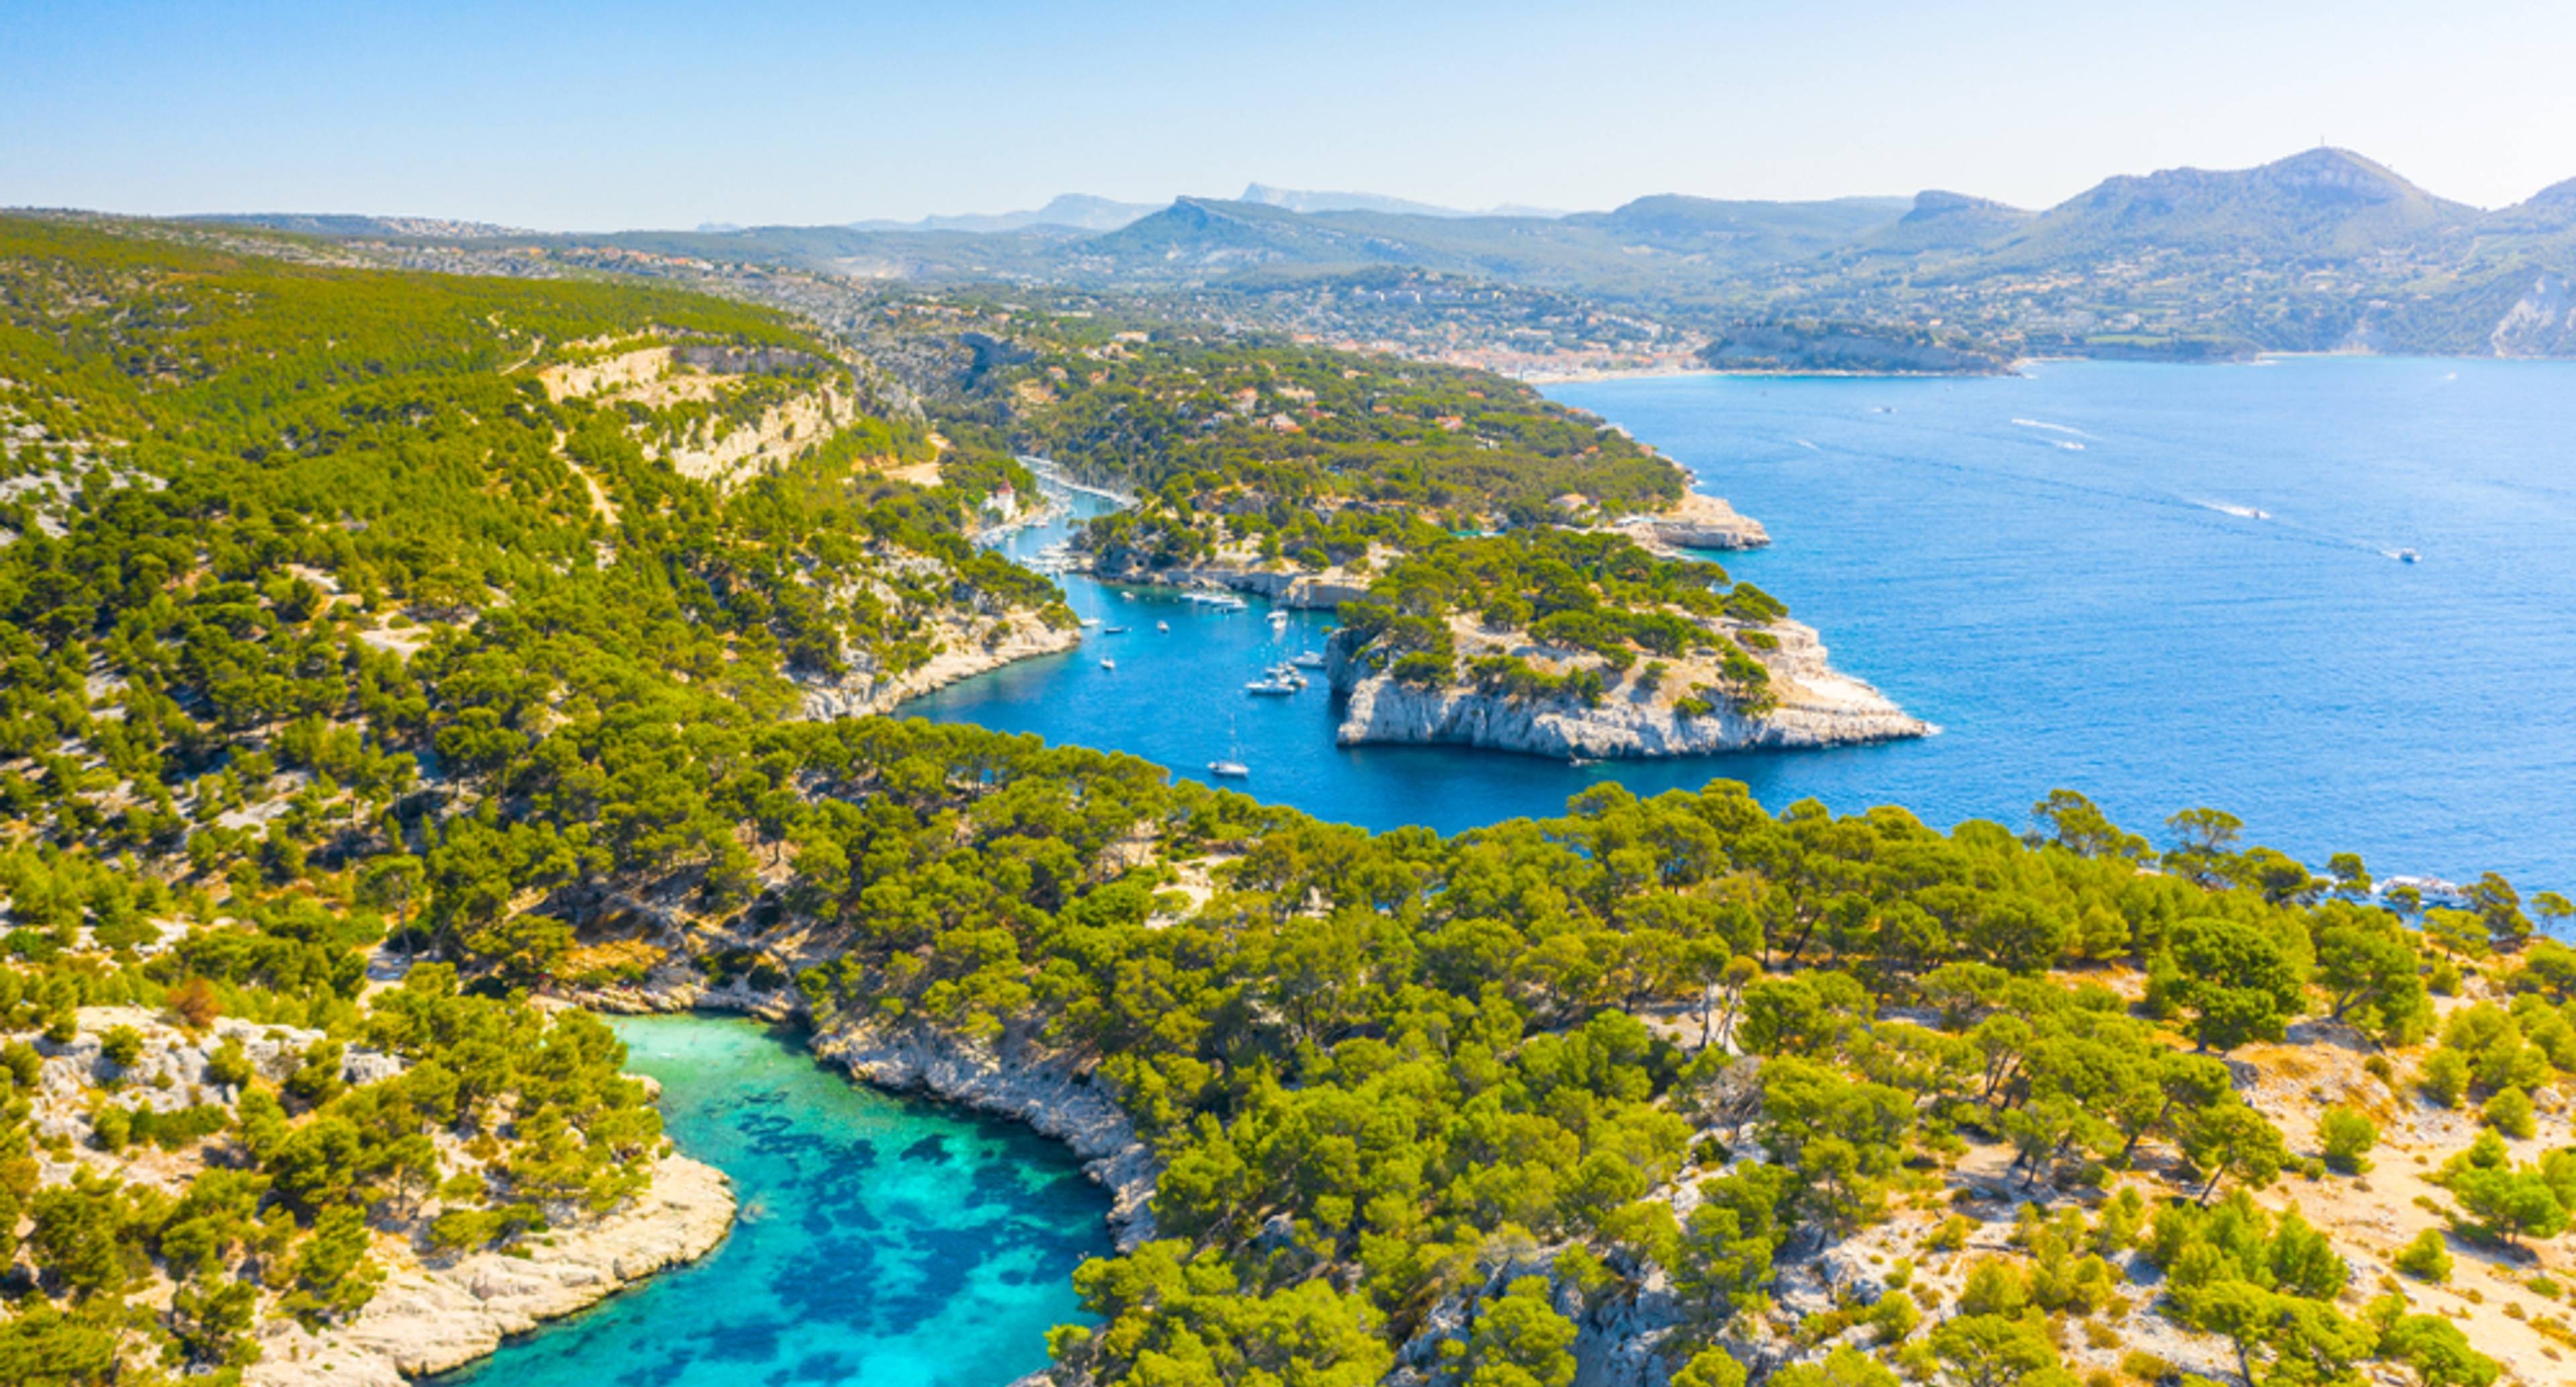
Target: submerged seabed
883,1241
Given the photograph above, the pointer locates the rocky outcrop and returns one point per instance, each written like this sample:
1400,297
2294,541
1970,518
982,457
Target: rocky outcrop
428,1319
1021,1081
1287,587
964,652
1015,1078
1818,706
1697,522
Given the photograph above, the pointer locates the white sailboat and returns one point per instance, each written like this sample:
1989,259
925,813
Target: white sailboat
1232,767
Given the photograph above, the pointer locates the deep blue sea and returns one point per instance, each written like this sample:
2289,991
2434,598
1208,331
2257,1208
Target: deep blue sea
2165,586
882,1242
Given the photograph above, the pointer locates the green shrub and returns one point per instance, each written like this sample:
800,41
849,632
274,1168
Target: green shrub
2444,1077
2347,1136
123,1046
2428,1258
2510,1112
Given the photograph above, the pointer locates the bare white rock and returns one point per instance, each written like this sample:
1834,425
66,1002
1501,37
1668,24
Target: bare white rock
430,1319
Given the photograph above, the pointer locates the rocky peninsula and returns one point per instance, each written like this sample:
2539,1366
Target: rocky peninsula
431,1318
1813,704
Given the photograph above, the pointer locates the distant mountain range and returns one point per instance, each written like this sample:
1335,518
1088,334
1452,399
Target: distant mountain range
1075,211
2319,251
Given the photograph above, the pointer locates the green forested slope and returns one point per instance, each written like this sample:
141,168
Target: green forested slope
1415,1100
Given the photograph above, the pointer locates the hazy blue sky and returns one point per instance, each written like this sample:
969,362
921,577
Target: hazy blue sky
651,114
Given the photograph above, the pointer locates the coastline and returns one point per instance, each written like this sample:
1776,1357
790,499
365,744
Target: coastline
1017,1080
426,1320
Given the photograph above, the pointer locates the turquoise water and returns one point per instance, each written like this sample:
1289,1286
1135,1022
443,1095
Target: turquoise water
2068,572
883,1242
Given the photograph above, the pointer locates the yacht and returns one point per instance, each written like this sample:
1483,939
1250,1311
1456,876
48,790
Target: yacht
1232,767
1091,621
1270,686
1307,660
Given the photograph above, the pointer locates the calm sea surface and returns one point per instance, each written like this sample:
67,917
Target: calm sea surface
883,1242
2165,586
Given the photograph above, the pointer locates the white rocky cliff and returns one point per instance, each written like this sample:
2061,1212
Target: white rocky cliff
1817,706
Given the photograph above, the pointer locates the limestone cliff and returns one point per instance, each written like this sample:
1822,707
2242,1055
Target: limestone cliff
1696,522
1015,1077
1817,706
430,1318
967,646
1282,583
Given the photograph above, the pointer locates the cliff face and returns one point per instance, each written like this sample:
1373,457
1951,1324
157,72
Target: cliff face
1818,706
1697,522
428,1319
1288,587
1015,1078
966,649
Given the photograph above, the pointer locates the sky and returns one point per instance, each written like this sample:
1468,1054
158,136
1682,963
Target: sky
646,114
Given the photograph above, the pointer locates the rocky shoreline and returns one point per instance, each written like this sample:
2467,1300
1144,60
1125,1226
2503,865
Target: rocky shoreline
963,654
429,1319
1698,521
1018,1079
1287,587
1818,706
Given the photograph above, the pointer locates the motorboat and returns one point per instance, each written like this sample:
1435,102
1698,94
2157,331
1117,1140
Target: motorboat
1270,688
1109,665
2408,556
1307,660
1163,626
1113,630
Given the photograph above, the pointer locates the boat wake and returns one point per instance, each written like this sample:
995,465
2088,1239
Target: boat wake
2240,512
2041,424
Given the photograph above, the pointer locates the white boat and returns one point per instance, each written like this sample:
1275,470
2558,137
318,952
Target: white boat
1269,688
1232,767
1308,660
1162,626
1091,621
1110,665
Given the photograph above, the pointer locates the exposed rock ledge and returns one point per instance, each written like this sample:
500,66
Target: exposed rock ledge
963,653
1055,1094
1819,706
430,1319
1020,1081
1698,522
1286,586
